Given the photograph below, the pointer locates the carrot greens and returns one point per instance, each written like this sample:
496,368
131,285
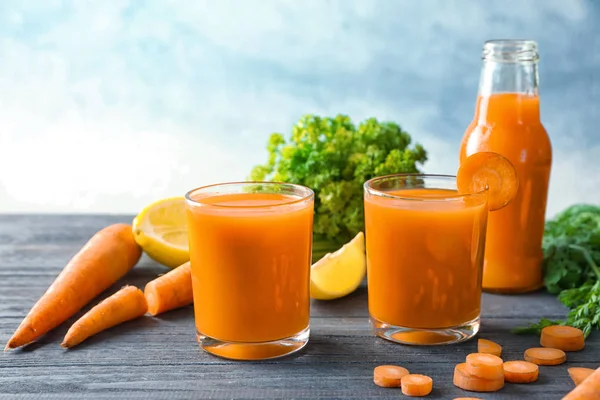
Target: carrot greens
571,258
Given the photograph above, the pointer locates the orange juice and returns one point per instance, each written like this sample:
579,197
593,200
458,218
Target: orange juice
250,257
509,124
424,257
507,121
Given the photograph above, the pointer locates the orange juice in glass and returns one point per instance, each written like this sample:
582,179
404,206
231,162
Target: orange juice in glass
250,253
425,245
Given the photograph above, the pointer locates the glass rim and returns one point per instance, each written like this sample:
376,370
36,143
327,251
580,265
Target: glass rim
503,42
510,51
368,187
309,195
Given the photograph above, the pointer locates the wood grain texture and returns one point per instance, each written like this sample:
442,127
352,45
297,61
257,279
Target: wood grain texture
158,358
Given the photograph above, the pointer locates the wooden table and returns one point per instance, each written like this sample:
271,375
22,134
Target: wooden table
158,358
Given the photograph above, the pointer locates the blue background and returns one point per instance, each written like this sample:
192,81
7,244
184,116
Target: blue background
108,105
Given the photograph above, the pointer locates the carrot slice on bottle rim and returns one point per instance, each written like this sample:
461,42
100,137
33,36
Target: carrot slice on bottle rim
491,171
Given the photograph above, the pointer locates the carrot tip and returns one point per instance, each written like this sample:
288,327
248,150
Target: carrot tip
12,344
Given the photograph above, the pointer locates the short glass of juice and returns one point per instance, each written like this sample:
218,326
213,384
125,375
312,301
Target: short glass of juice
250,254
425,244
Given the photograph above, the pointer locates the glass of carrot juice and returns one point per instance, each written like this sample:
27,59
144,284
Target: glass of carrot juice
250,254
425,245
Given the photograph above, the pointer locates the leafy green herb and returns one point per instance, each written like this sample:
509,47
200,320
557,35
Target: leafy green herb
585,306
571,257
334,157
569,239
537,328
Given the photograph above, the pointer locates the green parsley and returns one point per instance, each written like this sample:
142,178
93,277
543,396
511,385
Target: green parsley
334,157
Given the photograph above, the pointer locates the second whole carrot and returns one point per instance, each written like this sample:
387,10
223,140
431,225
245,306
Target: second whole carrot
104,259
126,304
170,291
586,390
579,374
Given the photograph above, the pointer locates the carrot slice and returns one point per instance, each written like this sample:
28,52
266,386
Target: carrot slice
545,356
486,366
170,291
565,338
463,380
520,372
492,171
588,389
128,303
489,347
389,375
579,374
416,385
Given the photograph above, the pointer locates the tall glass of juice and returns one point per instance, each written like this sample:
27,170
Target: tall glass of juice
250,253
425,246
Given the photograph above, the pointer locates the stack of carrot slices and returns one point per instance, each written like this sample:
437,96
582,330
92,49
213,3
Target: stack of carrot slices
480,373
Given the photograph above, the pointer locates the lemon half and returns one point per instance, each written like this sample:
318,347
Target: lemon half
161,231
338,274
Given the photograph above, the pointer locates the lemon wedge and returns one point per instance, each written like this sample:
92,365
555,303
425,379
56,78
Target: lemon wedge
340,273
161,231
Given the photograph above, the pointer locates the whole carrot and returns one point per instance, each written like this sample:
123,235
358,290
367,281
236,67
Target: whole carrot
579,374
169,291
587,390
104,259
127,304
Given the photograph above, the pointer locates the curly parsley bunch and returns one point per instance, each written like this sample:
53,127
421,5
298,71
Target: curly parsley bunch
334,157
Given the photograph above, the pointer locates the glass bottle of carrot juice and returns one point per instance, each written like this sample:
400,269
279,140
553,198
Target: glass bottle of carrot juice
507,121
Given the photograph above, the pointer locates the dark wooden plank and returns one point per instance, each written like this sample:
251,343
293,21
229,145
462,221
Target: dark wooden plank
334,365
155,358
28,248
